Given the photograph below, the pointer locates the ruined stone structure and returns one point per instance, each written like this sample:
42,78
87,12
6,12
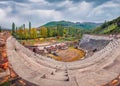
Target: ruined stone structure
91,42
97,70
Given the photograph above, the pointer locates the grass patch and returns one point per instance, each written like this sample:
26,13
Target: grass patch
109,29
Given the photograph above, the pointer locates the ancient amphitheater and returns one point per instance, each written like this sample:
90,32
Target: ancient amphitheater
97,70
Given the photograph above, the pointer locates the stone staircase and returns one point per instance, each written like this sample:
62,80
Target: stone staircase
60,75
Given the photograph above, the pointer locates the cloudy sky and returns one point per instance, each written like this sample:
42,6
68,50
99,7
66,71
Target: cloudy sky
40,12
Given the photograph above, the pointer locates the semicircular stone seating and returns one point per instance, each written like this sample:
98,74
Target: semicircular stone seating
97,70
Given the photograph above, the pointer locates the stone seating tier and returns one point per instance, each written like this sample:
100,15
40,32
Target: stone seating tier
97,70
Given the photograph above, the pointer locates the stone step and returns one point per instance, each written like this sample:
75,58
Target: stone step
57,77
60,73
97,78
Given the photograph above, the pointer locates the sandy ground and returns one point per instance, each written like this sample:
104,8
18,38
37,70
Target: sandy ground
69,55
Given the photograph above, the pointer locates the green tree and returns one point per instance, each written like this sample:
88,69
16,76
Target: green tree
24,26
13,28
26,33
48,32
29,27
60,30
0,29
33,33
16,29
43,32
20,33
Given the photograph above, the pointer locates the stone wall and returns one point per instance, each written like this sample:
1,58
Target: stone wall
93,43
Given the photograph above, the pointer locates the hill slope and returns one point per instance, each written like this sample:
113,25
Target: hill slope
85,25
109,27
5,29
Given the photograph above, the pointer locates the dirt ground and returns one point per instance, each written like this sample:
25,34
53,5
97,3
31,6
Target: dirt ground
69,55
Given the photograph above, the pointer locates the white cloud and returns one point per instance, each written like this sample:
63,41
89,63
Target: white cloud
83,7
2,14
40,12
106,11
66,3
26,13
77,11
42,16
39,1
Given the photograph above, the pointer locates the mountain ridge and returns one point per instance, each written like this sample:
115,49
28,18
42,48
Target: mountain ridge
82,25
109,27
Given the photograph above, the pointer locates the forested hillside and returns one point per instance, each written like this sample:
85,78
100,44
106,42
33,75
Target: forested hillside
78,25
65,29
110,27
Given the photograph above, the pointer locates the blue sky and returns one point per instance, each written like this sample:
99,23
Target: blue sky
40,12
